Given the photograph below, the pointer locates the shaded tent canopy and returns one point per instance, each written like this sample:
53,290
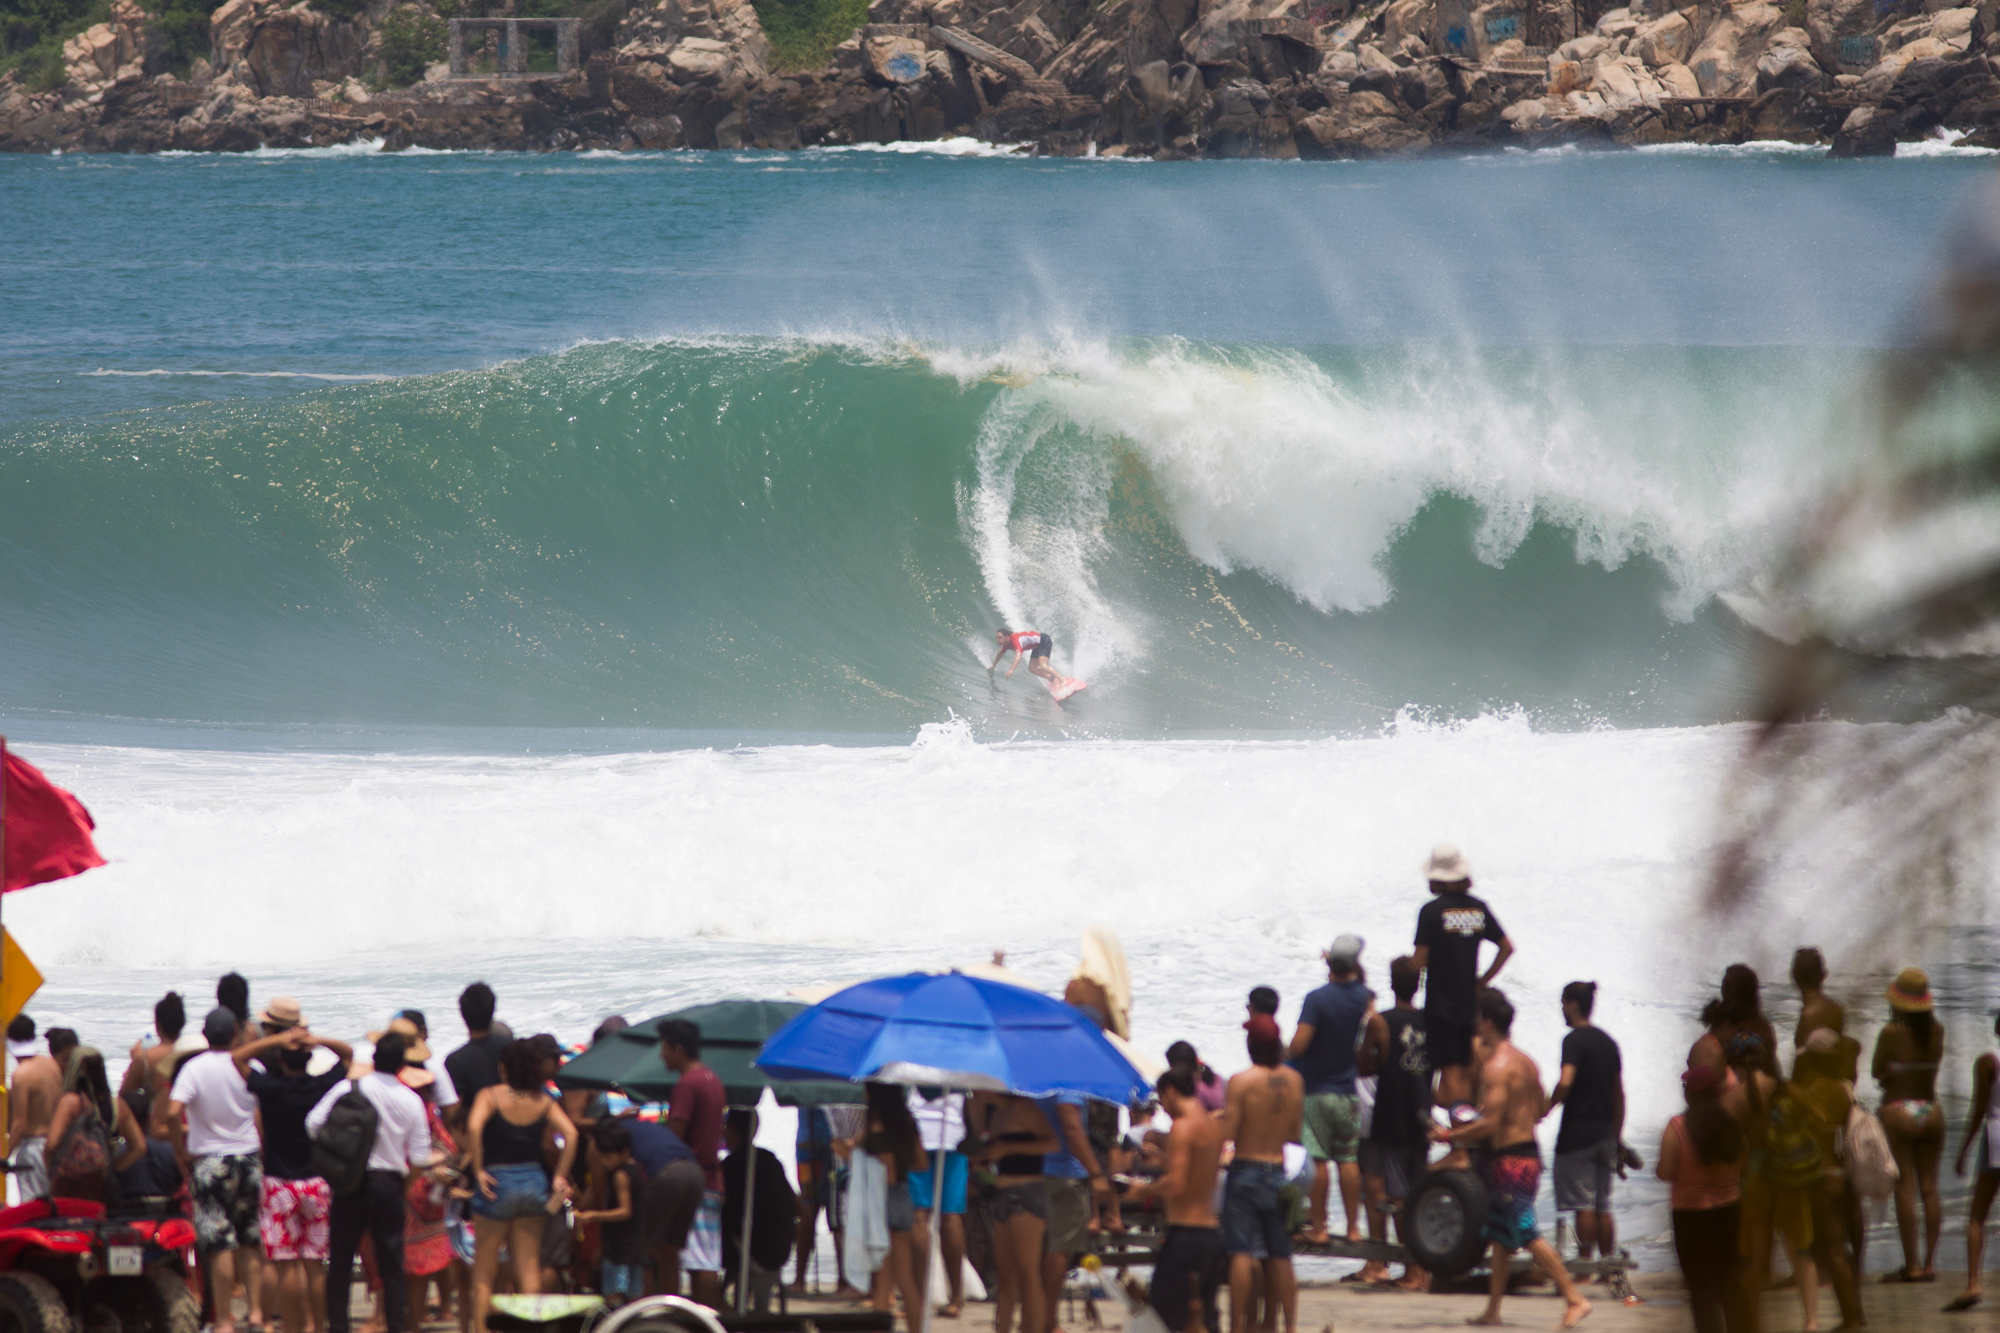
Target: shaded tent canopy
732,1032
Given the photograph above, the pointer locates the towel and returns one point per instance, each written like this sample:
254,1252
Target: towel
867,1220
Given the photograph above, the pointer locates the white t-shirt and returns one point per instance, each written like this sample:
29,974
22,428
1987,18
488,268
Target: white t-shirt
941,1123
402,1130
221,1111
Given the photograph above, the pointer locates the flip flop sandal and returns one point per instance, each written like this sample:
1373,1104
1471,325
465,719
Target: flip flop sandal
1961,1303
1900,1275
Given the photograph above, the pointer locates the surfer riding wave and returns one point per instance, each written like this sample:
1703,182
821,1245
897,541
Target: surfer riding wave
1030,643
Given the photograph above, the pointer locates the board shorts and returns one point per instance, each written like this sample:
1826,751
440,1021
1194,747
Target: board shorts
519,1190
228,1195
617,1279
293,1217
1042,649
1400,1169
954,1183
1010,1201
1512,1181
1332,1123
1985,1157
1583,1178
1449,1043
1069,1216
668,1203
814,1152
703,1251
31,1169
1191,1267
1254,1218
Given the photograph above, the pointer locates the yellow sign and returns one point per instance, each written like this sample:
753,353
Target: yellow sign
19,979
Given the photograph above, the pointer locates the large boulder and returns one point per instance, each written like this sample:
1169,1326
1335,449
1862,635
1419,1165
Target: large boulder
1625,83
894,60
1665,40
107,53
1245,121
715,41
1359,125
1794,115
1841,34
1121,37
1725,61
1788,63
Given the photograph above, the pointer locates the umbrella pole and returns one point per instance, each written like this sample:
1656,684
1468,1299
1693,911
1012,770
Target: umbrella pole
749,1205
937,1224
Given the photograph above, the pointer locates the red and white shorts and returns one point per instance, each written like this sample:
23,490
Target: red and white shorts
293,1218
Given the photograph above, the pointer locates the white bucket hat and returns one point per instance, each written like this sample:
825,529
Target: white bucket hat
1447,865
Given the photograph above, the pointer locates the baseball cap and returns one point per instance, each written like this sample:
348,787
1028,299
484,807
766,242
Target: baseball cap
1346,949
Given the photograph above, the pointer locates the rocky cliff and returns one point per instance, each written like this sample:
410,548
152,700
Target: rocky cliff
1161,78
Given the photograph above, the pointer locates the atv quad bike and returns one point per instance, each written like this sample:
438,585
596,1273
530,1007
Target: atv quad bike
66,1266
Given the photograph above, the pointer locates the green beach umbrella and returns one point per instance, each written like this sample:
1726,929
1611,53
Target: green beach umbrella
732,1033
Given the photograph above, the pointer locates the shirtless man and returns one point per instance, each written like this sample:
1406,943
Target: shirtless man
1511,1103
1030,643
1262,1114
1190,1268
152,1067
37,1088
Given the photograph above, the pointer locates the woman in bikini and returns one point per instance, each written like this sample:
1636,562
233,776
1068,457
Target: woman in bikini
1012,1135
1907,1056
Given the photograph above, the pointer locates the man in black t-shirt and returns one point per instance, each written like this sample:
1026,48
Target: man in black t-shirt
1395,1051
476,1064
296,1205
1449,931
1591,1093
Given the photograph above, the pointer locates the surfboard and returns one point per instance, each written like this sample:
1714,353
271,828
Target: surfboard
1069,685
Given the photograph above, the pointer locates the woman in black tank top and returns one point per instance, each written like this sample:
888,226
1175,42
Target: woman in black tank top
510,1124
1012,1135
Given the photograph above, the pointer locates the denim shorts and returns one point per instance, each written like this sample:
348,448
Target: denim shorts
1253,1216
519,1190
618,1279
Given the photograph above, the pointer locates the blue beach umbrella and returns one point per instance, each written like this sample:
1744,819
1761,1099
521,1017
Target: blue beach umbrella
954,1031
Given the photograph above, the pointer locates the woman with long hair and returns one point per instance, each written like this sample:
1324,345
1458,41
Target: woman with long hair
1774,1203
78,1166
1701,1159
1737,1011
892,1137
1012,1135
513,1125
1907,1057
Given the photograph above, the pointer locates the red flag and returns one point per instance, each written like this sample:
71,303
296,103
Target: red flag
47,830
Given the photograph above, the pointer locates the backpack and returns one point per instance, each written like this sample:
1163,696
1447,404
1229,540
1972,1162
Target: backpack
1792,1159
80,1165
340,1149
1871,1167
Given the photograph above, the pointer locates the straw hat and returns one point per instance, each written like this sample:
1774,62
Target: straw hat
1447,865
415,1049
1911,992
282,1012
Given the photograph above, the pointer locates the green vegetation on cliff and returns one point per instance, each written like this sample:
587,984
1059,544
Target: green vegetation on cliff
803,33
32,33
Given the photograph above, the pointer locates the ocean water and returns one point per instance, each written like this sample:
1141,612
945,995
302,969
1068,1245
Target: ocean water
579,571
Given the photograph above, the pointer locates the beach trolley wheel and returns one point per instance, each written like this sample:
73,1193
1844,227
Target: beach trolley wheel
31,1304
657,1314
1445,1221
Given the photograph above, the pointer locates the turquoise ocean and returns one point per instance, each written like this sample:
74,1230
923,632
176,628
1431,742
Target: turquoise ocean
580,570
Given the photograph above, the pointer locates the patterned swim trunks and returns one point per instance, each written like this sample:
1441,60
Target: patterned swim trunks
228,1194
295,1217
1512,1181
